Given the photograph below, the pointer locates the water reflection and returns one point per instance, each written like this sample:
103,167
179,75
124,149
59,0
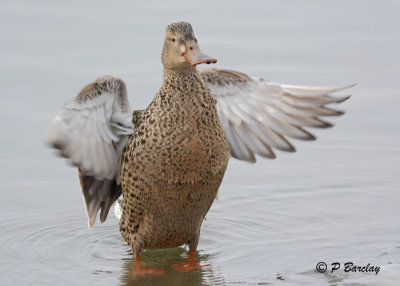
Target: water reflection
169,267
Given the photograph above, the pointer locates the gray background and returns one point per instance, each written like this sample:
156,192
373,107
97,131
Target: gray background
335,199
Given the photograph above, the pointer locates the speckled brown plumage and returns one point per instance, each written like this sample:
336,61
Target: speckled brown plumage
183,29
173,165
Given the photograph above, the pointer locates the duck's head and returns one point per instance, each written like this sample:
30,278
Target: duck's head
181,50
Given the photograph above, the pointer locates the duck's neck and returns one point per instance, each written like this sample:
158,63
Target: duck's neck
185,86
182,84
179,74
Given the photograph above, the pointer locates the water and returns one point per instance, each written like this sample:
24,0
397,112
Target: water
335,200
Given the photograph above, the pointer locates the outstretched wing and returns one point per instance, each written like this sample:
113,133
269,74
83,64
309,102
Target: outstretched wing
91,131
258,115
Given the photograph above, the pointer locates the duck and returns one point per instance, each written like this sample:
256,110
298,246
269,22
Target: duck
168,160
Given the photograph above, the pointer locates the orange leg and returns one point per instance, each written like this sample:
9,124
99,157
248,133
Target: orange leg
190,263
146,270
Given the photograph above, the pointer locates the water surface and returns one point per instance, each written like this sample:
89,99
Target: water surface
335,200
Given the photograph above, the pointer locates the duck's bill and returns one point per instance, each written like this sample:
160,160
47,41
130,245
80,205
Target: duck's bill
194,56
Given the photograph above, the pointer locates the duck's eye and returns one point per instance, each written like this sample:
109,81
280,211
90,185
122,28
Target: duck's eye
173,39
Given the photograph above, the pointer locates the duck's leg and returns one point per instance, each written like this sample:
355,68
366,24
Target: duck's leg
191,262
146,270
193,243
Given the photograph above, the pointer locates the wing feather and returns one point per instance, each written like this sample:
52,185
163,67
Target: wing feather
89,131
258,115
